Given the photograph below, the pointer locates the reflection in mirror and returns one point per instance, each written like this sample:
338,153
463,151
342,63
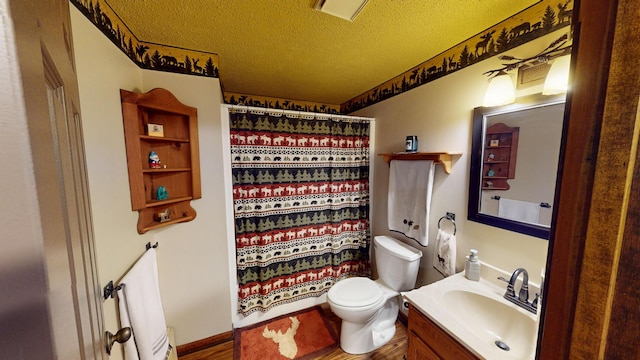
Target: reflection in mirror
514,162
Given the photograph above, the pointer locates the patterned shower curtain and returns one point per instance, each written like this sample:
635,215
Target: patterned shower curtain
301,203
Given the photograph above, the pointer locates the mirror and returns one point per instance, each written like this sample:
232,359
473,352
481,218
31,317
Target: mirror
514,160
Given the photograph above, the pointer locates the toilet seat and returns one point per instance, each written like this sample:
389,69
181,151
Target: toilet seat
356,292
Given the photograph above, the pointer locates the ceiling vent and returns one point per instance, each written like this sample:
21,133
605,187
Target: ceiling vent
345,9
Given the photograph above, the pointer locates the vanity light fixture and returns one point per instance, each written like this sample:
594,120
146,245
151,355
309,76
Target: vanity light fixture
501,90
557,80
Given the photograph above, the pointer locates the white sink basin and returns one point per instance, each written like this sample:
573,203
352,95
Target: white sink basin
476,314
493,320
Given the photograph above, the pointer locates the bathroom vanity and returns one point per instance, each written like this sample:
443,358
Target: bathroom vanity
456,318
428,341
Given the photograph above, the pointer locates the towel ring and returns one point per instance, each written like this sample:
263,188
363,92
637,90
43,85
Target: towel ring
452,221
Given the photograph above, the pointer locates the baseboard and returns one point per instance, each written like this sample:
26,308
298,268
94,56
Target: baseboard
403,318
204,343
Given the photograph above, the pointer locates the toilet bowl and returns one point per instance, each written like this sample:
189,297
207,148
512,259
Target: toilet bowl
368,308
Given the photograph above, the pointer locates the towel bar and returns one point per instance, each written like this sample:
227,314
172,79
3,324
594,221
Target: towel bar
451,217
109,290
542,204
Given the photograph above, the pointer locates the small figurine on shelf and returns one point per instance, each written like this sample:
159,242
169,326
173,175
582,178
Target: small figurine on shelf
163,216
161,193
154,160
489,183
491,156
491,172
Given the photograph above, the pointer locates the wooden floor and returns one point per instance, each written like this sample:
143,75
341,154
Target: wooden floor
394,350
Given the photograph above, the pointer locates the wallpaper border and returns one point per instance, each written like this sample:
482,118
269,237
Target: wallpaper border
537,20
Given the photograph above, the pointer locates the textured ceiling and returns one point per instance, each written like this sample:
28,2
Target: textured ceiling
286,49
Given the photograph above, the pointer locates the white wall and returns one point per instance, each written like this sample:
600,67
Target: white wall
101,73
440,114
193,262
192,257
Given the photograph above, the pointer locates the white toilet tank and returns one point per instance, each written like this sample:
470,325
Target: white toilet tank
397,263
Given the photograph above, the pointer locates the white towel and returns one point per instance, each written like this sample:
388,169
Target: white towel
141,308
444,256
523,211
410,187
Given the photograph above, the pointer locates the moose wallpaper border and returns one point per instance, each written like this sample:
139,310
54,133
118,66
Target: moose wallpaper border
543,18
538,20
147,55
278,103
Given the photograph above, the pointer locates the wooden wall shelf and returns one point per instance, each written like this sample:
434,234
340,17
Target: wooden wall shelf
442,158
499,156
177,148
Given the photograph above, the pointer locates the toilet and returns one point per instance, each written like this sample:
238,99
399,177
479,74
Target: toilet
368,308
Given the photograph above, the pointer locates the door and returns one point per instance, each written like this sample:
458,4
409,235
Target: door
41,33
591,291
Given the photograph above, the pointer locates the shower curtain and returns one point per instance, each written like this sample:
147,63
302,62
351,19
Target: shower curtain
301,204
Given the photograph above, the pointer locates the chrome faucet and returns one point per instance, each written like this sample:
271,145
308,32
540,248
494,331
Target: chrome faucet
522,299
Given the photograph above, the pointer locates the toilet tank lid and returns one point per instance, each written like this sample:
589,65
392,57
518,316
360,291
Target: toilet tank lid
398,248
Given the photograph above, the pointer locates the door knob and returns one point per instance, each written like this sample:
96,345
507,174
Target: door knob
121,336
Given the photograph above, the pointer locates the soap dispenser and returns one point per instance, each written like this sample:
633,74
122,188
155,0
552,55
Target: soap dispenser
472,266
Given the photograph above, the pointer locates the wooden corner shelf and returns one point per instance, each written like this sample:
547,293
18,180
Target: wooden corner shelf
442,158
175,143
499,156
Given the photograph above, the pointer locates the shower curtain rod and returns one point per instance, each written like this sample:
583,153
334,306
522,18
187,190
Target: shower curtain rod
299,114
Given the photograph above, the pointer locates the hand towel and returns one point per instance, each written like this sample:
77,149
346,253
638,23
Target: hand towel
523,211
444,256
141,309
410,187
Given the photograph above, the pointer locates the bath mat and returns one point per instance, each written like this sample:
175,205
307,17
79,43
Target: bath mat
305,334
